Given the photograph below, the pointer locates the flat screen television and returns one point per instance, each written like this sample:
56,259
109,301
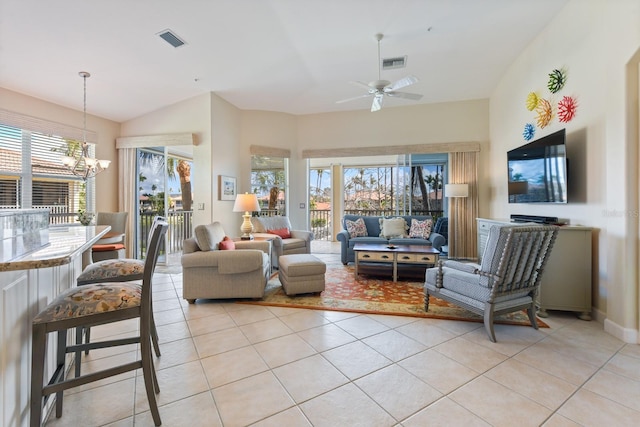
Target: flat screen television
538,171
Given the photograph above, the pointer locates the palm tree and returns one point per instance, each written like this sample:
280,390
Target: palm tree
184,172
173,164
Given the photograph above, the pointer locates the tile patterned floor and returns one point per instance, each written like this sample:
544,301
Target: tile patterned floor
226,364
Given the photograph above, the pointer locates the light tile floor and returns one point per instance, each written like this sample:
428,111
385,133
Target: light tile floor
228,364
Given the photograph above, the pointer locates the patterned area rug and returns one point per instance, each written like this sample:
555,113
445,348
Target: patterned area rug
376,293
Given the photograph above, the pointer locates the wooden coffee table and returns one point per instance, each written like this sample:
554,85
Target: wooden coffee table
378,253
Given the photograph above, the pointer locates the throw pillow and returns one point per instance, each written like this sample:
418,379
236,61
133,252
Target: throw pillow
227,244
208,236
420,229
285,233
356,228
393,227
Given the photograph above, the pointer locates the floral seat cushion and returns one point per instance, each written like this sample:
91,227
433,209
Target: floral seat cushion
112,270
91,299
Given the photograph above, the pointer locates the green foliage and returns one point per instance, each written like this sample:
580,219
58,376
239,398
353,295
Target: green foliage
318,222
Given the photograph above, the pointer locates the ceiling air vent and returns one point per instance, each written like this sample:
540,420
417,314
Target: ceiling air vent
171,38
391,63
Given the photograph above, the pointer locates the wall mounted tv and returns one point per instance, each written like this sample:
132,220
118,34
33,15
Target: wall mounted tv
538,171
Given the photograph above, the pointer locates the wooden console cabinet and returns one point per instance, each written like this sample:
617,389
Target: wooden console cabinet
566,281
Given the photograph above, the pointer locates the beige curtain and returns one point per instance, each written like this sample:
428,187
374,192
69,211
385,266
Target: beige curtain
127,195
463,211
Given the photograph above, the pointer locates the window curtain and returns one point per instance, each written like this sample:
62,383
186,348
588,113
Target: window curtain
127,196
463,211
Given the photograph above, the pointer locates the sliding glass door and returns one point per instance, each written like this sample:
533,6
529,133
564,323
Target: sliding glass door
164,188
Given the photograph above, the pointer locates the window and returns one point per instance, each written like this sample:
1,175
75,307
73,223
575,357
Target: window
269,183
413,185
32,175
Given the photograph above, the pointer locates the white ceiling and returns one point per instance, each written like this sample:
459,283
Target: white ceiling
293,56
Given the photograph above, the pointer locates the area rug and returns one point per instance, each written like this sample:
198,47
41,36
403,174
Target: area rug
373,293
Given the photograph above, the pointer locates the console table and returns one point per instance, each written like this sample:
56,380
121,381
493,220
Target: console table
566,280
399,254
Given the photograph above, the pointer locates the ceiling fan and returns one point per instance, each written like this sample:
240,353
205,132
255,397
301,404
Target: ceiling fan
381,88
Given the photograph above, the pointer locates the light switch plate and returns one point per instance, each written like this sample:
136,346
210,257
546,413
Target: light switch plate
201,206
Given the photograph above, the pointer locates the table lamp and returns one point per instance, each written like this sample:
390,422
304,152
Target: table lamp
246,203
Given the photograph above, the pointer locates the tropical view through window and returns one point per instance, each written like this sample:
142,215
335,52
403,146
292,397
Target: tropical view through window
269,183
384,186
164,188
32,175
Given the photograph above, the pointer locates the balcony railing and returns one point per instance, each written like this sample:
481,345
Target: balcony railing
179,229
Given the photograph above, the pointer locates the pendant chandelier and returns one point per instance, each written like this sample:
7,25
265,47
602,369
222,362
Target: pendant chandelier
80,164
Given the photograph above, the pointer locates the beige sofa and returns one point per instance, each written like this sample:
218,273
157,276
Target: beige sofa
298,243
209,272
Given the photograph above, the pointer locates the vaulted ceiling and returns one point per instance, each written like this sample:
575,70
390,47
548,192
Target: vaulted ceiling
293,56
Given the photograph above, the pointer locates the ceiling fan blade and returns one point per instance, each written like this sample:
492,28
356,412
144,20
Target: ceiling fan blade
399,84
360,84
377,102
354,98
405,95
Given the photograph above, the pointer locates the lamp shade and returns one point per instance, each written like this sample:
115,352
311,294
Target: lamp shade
246,203
456,190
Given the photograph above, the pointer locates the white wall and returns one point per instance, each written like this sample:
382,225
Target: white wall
593,40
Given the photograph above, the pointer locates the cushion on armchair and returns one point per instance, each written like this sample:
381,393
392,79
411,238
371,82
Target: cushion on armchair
285,233
209,236
264,223
227,244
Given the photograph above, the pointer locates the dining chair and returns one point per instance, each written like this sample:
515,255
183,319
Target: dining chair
112,245
114,270
93,305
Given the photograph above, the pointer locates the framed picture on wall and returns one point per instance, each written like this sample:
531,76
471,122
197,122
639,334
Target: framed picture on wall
226,187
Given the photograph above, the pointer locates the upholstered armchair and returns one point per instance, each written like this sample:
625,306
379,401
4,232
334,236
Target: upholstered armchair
507,280
212,269
285,240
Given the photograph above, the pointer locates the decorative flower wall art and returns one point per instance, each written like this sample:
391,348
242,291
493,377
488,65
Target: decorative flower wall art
544,108
544,113
567,109
529,132
532,101
557,79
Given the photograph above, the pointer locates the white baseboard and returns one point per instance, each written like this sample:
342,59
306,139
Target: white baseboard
598,315
627,335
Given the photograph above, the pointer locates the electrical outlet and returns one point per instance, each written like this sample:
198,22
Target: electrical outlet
301,205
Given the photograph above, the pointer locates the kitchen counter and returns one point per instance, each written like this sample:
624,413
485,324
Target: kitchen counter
64,244
28,282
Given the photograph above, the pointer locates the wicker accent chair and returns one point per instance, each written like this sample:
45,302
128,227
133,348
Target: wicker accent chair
507,280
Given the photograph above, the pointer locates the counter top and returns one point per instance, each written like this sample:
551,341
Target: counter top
64,243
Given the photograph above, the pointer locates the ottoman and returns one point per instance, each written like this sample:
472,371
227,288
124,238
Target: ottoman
301,274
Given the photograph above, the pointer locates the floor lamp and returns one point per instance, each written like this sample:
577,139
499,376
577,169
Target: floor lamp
456,191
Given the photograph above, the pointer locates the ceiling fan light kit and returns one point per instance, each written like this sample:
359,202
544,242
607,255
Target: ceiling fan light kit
381,88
